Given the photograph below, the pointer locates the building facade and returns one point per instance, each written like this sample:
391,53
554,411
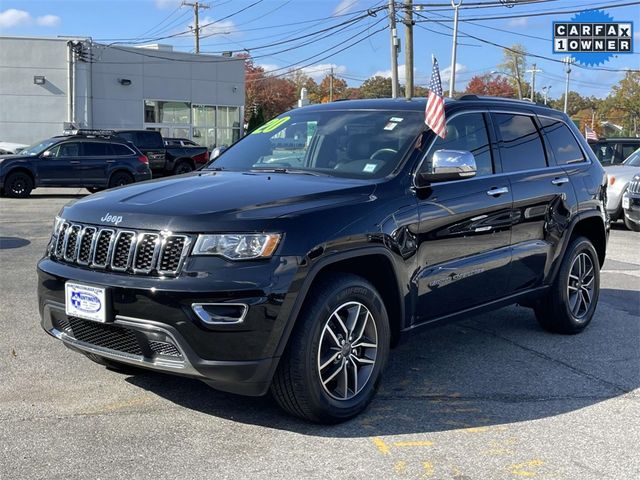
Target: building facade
46,82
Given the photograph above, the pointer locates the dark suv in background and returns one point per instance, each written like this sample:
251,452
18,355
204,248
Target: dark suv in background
88,158
299,257
614,150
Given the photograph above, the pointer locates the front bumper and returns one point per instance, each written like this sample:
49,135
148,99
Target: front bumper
632,213
152,323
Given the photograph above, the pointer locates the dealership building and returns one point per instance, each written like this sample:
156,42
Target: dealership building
46,83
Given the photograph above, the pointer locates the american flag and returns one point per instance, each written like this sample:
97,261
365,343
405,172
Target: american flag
434,113
589,134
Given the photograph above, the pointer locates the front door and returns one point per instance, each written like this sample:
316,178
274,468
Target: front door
464,233
58,167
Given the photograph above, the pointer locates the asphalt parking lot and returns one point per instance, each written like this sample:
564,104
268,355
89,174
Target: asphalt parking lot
491,397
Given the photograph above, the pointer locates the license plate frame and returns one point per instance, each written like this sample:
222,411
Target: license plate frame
625,203
86,301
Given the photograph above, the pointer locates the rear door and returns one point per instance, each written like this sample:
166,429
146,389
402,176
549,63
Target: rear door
96,156
464,227
543,197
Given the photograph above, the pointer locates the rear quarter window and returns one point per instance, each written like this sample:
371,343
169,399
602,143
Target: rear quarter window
119,149
563,144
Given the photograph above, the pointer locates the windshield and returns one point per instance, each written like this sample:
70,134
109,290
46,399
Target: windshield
633,160
354,144
38,148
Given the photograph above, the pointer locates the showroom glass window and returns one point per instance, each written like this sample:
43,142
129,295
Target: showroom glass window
227,125
158,111
521,146
204,125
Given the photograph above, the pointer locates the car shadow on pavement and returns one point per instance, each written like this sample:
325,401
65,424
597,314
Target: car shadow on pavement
486,371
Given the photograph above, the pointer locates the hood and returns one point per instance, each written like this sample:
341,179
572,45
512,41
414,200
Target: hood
209,201
622,172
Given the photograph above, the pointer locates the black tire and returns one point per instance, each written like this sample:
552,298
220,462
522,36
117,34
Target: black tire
557,311
634,227
112,364
297,385
119,179
182,167
18,185
95,189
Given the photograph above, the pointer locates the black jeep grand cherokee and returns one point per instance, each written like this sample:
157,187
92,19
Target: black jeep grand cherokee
308,249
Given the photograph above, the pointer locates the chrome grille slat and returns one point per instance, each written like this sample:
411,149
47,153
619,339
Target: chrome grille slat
120,250
634,186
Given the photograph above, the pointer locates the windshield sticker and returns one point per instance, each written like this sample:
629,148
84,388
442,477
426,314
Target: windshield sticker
370,167
390,126
396,119
271,125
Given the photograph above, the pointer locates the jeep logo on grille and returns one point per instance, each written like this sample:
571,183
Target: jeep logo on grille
111,219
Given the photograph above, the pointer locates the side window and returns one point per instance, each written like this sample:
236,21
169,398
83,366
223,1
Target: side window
467,132
150,140
627,149
70,149
521,147
563,144
96,149
119,149
129,137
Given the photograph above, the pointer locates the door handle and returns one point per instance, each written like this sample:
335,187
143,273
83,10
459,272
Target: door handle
74,162
560,180
494,192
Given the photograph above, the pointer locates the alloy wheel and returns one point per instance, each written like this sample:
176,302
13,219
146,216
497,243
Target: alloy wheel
348,350
580,286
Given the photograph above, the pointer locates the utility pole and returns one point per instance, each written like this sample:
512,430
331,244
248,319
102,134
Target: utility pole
454,48
518,82
533,72
197,6
408,48
331,85
567,61
394,49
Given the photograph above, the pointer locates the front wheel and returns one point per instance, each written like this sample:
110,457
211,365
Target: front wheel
18,185
634,227
570,304
337,352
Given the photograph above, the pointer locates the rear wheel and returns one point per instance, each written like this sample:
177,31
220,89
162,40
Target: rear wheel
18,185
570,304
336,354
635,227
182,167
119,179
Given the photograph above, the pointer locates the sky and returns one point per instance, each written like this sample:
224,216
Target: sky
255,25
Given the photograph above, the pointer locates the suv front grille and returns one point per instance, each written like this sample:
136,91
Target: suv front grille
634,186
142,253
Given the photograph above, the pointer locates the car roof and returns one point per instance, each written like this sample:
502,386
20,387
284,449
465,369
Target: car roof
617,140
420,103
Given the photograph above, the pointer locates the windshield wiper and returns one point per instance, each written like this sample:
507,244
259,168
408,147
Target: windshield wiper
290,170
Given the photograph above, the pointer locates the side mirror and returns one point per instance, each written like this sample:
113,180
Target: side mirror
448,165
217,152
47,153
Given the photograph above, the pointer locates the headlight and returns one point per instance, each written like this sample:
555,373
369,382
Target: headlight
237,246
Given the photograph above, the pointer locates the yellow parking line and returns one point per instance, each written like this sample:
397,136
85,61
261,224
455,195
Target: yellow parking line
416,443
382,447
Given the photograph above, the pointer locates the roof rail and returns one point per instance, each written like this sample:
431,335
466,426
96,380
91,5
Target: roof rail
503,99
84,132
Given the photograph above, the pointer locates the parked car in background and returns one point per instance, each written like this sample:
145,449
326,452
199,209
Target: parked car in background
10,148
612,151
631,204
179,142
166,159
619,177
89,159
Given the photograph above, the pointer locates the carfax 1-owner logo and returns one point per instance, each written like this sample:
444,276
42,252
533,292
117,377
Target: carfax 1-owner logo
592,37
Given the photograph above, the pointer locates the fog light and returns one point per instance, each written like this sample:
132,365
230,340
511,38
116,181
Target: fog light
220,313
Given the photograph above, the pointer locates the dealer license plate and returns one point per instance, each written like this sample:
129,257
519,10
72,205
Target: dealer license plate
625,203
85,301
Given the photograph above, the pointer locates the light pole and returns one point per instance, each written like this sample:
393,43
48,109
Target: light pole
454,48
507,74
567,61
